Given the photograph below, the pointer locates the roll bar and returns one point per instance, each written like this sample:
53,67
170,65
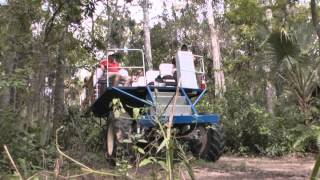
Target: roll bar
128,67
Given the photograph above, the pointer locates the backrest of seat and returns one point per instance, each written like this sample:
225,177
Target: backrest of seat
151,75
186,70
140,82
166,69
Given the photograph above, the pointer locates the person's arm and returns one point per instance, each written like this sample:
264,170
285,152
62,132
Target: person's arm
103,64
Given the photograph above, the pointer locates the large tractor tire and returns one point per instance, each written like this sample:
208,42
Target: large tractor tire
116,131
207,142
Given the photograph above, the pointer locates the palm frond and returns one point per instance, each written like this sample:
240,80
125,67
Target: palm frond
308,133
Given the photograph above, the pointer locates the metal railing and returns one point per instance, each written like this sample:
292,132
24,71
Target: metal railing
126,67
202,64
142,67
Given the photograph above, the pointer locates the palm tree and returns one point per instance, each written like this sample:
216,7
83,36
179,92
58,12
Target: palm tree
293,58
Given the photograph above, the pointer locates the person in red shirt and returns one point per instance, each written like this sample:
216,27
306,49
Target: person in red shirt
110,63
111,67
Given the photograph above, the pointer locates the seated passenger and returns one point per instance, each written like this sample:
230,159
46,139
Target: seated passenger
111,66
134,78
124,77
138,79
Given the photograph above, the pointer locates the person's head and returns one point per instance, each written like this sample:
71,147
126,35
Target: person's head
112,58
138,73
184,47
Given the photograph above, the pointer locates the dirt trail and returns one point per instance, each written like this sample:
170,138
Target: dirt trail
235,168
229,167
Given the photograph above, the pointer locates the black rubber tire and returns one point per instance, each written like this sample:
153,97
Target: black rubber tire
115,132
210,144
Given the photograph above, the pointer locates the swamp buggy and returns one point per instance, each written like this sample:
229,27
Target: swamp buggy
154,91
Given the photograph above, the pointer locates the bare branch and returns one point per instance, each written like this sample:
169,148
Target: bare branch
84,167
12,162
50,22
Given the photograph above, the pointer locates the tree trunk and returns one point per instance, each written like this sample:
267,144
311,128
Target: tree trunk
270,89
37,80
146,33
270,95
219,80
315,18
5,95
59,107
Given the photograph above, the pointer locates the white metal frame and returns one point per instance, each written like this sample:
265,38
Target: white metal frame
202,64
127,67
143,67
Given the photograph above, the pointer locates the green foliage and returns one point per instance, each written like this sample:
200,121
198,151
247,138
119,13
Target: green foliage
246,124
117,108
295,62
245,12
143,150
23,145
163,48
82,136
250,129
283,44
306,136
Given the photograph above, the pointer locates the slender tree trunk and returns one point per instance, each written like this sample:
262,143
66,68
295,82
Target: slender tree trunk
315,21
315,18
92,36
146,33
270,95
59,106
5,92
219,80
37,80
40,97
46,122
270,89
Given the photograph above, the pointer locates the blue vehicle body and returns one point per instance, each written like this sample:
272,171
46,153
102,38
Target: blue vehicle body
170,93
142,97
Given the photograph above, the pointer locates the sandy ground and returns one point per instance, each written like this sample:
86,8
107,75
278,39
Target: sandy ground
230,167
235,168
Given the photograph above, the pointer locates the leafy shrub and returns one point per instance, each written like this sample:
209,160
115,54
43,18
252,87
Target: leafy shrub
250,129
23,145
82,137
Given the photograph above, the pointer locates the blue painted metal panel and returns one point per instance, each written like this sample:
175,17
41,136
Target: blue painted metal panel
133,96
149,95
149,121
137,97
199,97
194,111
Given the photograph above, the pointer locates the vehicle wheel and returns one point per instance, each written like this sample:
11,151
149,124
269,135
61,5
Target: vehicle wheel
116,131
207,142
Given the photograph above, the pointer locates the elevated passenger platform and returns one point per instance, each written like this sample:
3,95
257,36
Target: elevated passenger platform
133,97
